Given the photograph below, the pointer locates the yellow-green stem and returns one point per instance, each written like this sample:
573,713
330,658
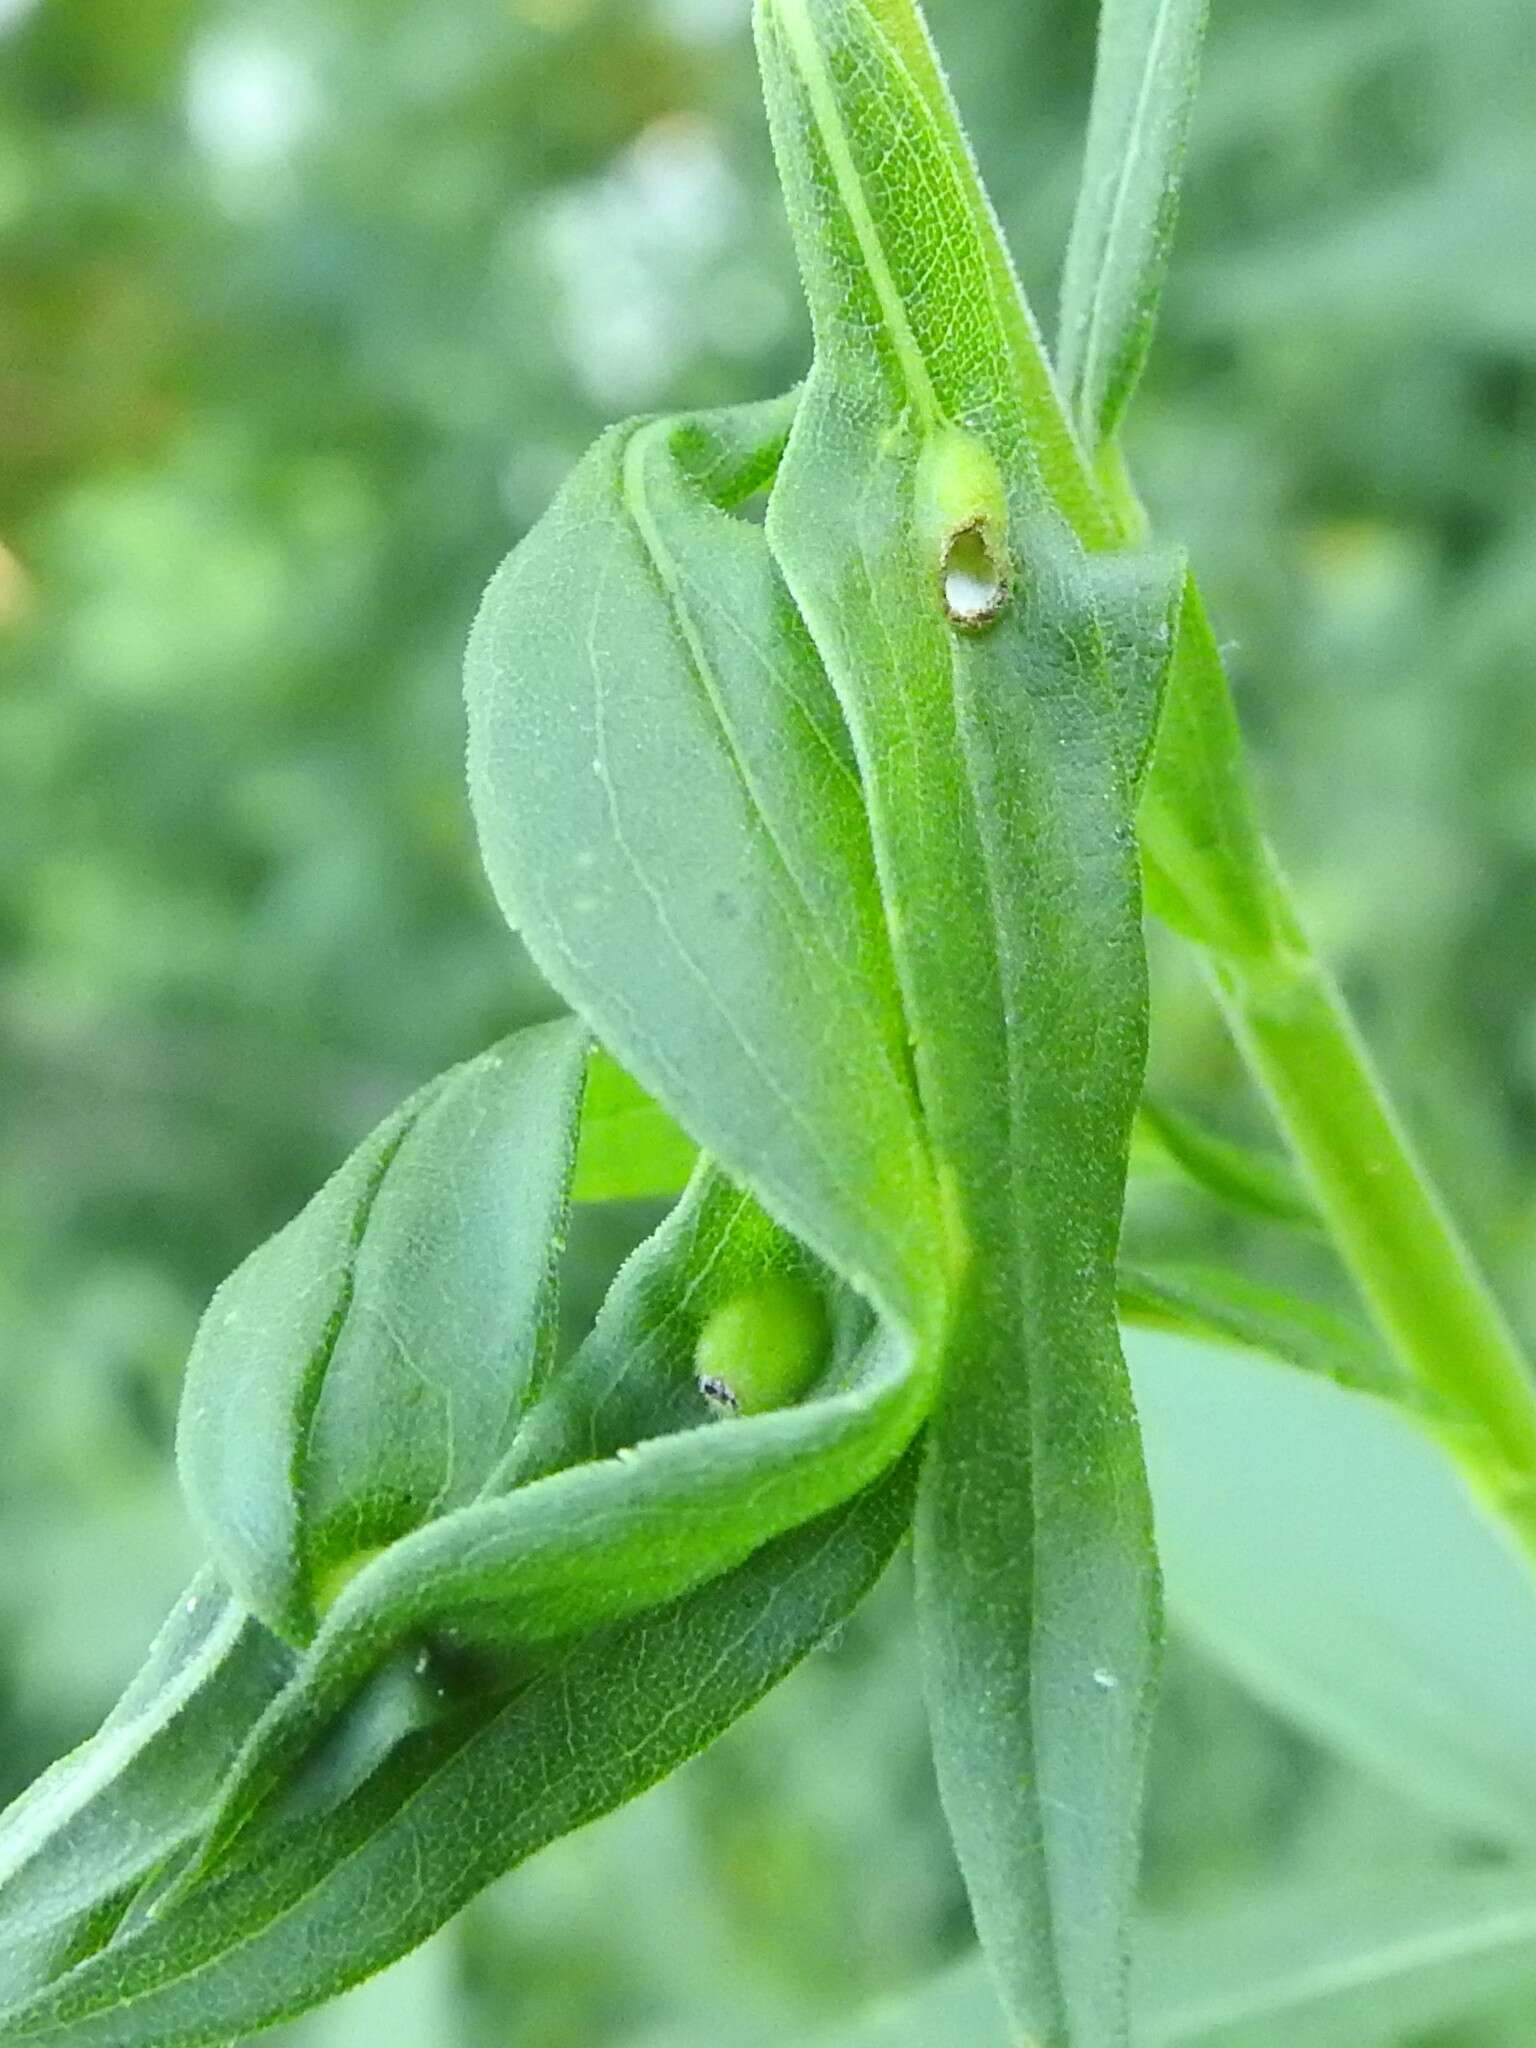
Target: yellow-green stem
1390,1227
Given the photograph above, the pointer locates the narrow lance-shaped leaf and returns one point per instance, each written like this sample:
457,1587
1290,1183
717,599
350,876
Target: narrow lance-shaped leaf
365,1369
1328,1962
1263,1183
1207,870
1224,1307
919,529
1149,53
77,1844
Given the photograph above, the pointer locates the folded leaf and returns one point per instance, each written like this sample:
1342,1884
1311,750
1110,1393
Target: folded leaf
326,1901
365,1369
622,1493
78,1843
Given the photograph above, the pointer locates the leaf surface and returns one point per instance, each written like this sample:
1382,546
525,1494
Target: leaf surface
998,755
77,1843
1149,54
629,1148
1333,1963
365,1369
1358,1586
334,1897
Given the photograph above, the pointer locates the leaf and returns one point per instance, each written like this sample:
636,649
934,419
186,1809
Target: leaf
1221,1306
333,1898
78,1842
997,735
364,1370
1345,1963
1209,874
670,814
1262,1183
1149,54
637,1374
620,1493
629,1148
1356,1963
1358,1586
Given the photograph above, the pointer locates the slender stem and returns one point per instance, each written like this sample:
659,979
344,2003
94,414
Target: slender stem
1295,1032
1389,1225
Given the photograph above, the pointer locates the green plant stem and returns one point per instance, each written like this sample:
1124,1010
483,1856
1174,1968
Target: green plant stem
1295,1032
1410,1262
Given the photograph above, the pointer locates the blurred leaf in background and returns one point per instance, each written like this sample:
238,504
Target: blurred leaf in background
307,307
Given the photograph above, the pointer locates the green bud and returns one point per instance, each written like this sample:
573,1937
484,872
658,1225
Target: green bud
763,1347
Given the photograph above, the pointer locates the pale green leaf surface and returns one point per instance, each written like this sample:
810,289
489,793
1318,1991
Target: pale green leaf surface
629,1149
1149,52
1357,1585
1357,1963
334,1898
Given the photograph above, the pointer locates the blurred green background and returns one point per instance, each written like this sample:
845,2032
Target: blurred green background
305,307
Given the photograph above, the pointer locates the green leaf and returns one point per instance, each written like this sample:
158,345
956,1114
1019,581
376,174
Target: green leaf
1358,1586
365,1369
1263,1184
1225,1307
1149,55
1348,1963
331,1897
75,1846
622,1491
997,733
1208,871
1361,1961
670,814
629,1148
